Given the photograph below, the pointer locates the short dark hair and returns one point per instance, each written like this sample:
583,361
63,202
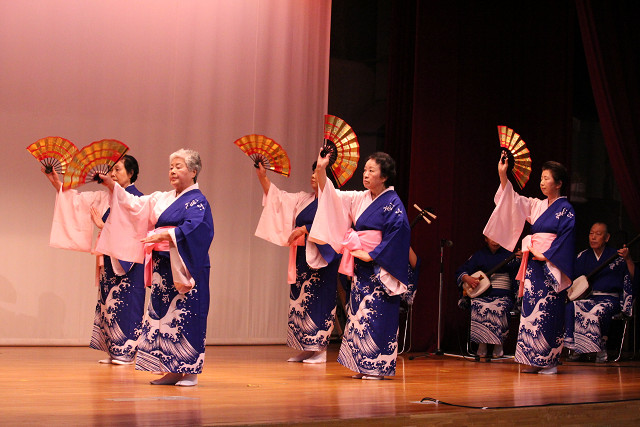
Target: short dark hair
559,173
387,166
131,166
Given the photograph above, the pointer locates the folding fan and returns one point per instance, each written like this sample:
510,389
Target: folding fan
97,157
517,153
262,149
53,152
341,144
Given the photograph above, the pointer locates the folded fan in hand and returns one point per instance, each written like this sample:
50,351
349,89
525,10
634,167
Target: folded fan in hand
97,157
341,144
262,149
53,152
517,153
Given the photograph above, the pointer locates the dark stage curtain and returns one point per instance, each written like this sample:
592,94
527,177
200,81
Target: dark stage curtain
611,38
478,65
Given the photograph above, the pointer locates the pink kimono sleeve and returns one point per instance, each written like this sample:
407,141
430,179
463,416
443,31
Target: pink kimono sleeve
332,220
72,226
127,224
278,215
507,220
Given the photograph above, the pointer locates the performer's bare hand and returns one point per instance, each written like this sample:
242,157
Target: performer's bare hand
157,238
295,234
624,252
53,178
107,181
519,254
362,255
96,217
471,281
503,166
323,162
537,255
261,171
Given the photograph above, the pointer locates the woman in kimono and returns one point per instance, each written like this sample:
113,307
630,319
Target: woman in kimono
376,253
490,311
121,291
545,277
176,229
313,269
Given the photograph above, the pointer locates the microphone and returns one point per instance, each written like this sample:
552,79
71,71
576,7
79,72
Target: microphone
446,243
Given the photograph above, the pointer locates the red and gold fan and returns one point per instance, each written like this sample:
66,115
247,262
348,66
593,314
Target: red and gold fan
262,149
54,153
97,157
341,144
517,154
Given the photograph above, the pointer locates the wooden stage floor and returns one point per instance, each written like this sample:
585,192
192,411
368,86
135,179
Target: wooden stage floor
254,385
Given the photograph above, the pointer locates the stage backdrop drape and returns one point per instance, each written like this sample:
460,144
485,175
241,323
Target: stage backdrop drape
478,65
158,75
611,38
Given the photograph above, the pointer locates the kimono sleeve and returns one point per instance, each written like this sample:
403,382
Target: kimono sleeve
469,267
278,215
333,217
127,225
392,253
562,249
193,237
72,226
507,220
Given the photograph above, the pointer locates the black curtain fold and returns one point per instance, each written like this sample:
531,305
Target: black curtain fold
611,39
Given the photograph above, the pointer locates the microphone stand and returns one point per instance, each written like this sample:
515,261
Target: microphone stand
439,352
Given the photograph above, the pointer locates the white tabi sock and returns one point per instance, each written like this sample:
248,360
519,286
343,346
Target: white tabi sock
372,377
497,350
169,379
189,380
121,362
318,357
482,349
300,357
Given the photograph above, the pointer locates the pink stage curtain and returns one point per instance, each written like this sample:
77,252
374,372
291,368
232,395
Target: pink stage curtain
158,75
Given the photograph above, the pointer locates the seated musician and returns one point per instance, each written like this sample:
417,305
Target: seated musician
490,310
587,321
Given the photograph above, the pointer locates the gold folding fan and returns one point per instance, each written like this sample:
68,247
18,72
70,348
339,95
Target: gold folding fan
54,153
341,144
97,157
517,153
262,149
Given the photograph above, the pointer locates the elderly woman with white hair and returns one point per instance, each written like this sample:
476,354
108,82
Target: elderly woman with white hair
172,233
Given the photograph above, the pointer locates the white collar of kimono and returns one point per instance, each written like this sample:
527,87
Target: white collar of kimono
195,186
596,254
559,197
390,188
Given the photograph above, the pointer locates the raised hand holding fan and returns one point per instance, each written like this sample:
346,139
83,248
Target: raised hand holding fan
54,153
262,149
517,154
97,157
341,145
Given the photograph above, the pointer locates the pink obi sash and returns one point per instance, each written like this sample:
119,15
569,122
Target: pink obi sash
366,240
150,247
540,242
293,250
